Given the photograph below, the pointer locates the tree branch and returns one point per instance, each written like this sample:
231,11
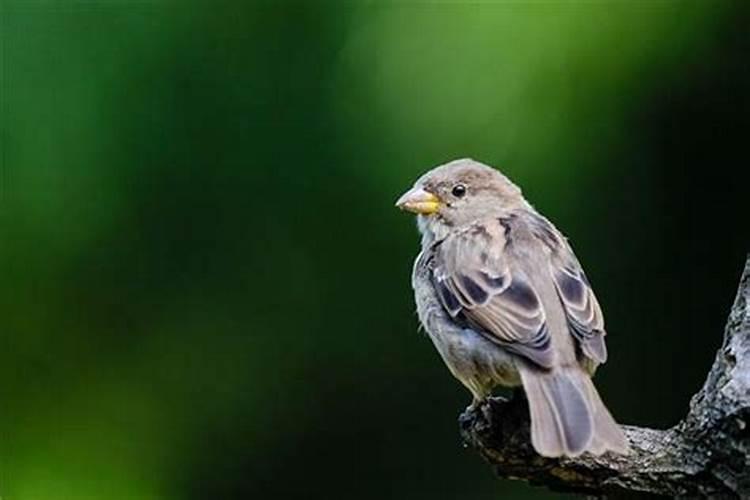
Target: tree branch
706,455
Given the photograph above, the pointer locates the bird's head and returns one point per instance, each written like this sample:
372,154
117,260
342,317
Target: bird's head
459,193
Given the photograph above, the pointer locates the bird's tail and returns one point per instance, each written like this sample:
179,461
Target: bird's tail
567,415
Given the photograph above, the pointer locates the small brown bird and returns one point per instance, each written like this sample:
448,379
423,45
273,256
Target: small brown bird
505,301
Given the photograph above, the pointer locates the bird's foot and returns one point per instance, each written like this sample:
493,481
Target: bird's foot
480,406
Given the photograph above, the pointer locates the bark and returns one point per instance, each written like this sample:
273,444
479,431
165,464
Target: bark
706,455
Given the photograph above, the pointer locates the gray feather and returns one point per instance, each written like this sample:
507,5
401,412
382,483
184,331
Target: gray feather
567,414
557,402
582,310
472,276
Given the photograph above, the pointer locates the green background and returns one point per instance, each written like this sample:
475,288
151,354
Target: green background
205,285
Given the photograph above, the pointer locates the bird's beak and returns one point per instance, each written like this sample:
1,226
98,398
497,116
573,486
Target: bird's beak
419,201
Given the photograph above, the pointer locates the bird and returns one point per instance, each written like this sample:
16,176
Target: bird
505,302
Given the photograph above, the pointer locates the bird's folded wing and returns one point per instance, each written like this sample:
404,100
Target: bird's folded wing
473,280
585,319
582,310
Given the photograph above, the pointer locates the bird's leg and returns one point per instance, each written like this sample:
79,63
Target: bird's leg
481,401
478,392
475,404
486,409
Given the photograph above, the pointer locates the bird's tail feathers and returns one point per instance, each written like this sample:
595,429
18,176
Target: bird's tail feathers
567,414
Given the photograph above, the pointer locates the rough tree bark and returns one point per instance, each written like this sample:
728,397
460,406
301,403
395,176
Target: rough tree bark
706,455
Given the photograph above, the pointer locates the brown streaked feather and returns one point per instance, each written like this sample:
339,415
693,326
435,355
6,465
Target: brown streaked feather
582,310
473,279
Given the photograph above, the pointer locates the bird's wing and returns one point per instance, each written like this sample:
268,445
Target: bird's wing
585,319
475,282
584,315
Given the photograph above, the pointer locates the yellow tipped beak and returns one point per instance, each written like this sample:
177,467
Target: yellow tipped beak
419,201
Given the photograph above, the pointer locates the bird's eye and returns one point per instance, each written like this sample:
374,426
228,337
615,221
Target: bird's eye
459,190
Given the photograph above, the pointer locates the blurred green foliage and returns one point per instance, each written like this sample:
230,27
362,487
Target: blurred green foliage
205,288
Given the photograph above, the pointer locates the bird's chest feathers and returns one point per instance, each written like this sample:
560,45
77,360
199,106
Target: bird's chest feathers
429,309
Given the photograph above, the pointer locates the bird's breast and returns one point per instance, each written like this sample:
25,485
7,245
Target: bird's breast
471,358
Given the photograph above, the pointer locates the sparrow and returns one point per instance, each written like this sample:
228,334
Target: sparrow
506,302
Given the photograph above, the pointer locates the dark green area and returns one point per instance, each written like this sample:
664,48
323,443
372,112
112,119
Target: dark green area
205,286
